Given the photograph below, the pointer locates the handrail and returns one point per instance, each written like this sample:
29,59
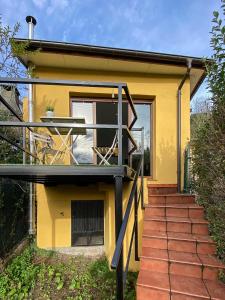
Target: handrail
82,83
69,125
119,244
129,99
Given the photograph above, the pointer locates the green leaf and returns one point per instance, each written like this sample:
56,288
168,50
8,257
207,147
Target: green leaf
216,14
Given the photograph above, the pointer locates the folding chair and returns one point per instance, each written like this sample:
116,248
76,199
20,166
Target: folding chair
105,153
44,144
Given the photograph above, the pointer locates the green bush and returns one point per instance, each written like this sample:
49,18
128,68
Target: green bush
208,139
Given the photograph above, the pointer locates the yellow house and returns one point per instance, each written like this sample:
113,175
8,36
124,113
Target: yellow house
118,107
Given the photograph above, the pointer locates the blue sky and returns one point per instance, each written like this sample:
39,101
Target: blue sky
169,26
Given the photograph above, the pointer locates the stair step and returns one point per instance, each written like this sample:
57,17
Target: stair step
158,286
193,211
178,242
160,189
179,263
153,285
216,289
174,224
183,288
171,199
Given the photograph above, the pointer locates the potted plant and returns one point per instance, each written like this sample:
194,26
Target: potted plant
49,111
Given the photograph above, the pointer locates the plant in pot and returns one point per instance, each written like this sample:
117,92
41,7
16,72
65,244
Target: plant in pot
49,111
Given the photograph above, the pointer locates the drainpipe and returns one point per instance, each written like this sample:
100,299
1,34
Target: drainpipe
31,23
189,63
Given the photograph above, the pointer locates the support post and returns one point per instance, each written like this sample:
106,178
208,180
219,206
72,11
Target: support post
136,224
118,223
24,145
120,123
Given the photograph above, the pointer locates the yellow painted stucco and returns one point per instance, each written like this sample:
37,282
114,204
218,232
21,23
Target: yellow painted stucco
54,203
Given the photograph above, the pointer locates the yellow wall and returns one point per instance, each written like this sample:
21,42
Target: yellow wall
162,88
54,203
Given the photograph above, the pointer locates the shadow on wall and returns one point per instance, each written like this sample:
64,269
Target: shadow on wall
166,161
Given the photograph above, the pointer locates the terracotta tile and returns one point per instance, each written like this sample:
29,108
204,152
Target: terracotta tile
178,227
184,257
154,242
154,265
146,293
176,212
155,211
210,273
210,260
181,235
176,296
216,289
203,238
189,286
189,269
156,199
196,213
200,229
154,233
206,248
181,245
180,199
211,266
155,253
154,280
155,225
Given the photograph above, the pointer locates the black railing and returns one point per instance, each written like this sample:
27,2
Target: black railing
122,87
134,199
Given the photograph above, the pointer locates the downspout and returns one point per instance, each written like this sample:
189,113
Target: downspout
31,23
189,63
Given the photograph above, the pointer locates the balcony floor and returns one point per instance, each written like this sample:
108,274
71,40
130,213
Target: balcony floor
63,174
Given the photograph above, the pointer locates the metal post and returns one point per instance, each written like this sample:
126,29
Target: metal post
179,142
31,23
120,130
118,223
24,145
136,224
142,167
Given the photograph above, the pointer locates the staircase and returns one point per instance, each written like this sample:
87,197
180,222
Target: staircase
177,261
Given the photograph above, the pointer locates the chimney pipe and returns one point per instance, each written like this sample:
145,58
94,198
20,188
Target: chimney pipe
31,21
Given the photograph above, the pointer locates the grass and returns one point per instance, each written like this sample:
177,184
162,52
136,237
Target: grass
40,274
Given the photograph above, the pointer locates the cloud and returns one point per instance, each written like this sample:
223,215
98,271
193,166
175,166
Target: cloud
57,5
40,3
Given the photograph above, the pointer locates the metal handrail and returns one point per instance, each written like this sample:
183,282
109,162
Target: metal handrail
69,125
120,85
119,244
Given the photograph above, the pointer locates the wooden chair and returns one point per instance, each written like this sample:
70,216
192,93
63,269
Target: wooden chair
105,153
43,144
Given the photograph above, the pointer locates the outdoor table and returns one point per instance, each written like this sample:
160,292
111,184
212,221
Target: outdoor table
65,133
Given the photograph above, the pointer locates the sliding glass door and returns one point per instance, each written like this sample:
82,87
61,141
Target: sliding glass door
83,146
98,112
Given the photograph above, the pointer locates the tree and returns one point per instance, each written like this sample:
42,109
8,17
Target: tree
13,194
10,66
208,140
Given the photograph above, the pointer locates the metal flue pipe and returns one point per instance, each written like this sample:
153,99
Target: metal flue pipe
31,23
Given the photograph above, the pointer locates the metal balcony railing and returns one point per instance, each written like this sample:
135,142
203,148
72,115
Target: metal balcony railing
33,127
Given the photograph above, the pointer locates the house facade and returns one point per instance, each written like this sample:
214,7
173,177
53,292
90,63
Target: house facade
153,80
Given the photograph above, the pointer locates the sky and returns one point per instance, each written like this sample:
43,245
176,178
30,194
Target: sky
168,26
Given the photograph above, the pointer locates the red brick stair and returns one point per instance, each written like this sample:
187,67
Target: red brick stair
178,256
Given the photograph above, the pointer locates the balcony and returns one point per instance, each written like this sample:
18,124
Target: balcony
74,149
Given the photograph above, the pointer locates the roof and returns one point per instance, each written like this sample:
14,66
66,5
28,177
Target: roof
54,47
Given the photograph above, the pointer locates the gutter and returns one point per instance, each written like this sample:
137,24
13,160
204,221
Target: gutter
189,66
